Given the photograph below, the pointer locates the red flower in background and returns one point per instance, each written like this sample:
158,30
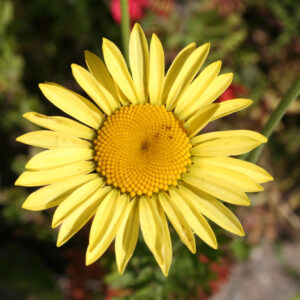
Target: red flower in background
222,271
137,8
203,259
233,91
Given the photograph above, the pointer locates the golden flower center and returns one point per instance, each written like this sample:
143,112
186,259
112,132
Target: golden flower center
142,149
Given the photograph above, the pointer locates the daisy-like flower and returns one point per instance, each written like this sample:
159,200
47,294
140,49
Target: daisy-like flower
133,157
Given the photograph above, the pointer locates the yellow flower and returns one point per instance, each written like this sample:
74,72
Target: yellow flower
133,158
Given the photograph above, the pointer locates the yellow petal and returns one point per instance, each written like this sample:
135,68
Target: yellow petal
225,146
186,74
212,92
100,72
127,236
221,189
118,70
54,194
203,138
81,215
157,71
174,69
121,96
75,199
61,124
240,180
139,62
151,226
107,217
213,209
178,221
36,178
230,106
253,171
73,104
191,95
167,244
201,119
106,224
89,84
50,159
194,218
51,140
103,78
216,88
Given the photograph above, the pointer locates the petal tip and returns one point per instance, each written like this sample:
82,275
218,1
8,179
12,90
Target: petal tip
87,54
121,269
59,243
230,75
28,165
27,115
108,45
206,46
19,139
18,182
105,41
26,206
248,203
154,36
136,27
61,239
54,223
87,263
75,67
192,248
218,63
241,232
215,245
88,259
42,86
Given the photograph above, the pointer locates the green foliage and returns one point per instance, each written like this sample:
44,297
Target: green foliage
296,297
287,13
28,274
188,277
240,249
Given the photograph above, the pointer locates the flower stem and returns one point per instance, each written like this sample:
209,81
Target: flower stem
276,116
125,26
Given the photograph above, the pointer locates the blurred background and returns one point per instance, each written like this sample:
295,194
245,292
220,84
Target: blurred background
259,41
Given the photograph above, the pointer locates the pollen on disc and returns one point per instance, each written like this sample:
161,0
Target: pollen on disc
142,149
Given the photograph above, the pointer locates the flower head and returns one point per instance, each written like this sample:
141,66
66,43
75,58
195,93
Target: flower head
132,158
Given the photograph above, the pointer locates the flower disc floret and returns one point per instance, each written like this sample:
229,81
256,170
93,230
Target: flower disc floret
142,149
